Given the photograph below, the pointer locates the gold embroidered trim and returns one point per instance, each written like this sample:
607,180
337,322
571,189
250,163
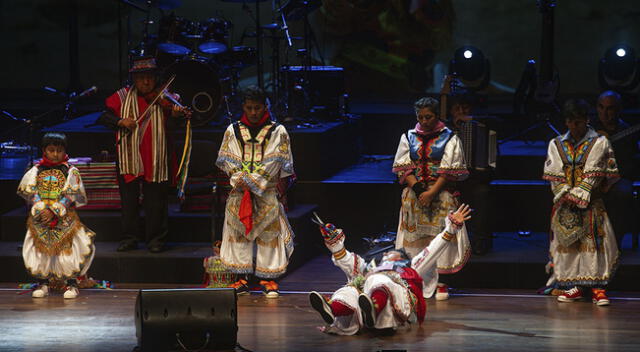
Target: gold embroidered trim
238,239
448,236
340,254
62,245
271,244
74,274
225,263
275,271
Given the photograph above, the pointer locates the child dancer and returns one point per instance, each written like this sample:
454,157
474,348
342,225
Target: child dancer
57,245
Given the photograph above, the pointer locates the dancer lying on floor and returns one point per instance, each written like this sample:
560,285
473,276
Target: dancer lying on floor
384,294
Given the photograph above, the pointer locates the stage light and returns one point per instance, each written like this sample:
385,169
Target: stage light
619,69
471,67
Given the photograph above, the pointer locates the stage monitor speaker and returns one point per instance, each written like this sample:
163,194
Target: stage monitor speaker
186,319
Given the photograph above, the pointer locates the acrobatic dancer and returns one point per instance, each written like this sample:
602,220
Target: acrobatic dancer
386,294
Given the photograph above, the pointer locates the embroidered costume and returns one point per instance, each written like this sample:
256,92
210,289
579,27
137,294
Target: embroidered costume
256,158
399,282
428,157
583,247
62,248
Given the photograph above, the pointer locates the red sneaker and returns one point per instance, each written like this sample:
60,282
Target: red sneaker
241,287
571,295
442,292
599,297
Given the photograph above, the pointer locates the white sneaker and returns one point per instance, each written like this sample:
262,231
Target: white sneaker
442,292
71,292
40,292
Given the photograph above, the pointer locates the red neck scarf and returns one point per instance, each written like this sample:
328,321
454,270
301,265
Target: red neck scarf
244,119
245,213
439,126
48,163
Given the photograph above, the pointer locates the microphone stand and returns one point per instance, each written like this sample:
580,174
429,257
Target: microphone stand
32,122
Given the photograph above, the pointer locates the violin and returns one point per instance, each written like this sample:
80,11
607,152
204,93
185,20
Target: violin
167,100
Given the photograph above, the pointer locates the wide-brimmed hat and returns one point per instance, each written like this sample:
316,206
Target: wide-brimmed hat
143,64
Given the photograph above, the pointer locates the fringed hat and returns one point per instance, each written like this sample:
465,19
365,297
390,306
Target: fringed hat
143,64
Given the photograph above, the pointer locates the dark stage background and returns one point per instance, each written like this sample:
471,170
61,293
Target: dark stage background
377,41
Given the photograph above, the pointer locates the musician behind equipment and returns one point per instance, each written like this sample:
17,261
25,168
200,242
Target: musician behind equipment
479,145
624,140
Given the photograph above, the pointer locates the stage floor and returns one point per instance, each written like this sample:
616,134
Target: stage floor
496,320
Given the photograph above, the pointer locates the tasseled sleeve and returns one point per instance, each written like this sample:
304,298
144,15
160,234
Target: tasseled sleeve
74,188
554,173
453,166
27,187
427,259
402,163
351,264
278,160
600,167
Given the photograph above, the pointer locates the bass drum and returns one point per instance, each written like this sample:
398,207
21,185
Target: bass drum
198,83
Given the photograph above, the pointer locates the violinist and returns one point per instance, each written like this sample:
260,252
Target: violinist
619,199
146,161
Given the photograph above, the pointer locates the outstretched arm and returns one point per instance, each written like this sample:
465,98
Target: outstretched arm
428,257
350,263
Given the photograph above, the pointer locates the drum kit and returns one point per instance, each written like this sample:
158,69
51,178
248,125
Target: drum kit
200,54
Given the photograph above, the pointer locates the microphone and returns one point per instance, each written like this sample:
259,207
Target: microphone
88,91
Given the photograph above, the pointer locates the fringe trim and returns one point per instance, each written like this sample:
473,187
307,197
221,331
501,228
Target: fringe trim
74,274
578,201
554,178
271,273
458,266
63,245
227,157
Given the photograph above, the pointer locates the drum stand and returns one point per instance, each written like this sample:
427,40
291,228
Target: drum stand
260,63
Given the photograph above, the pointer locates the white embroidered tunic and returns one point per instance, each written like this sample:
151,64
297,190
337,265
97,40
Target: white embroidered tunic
583,247
256,163
63,248
427,158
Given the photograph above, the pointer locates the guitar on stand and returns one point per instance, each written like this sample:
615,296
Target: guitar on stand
538,89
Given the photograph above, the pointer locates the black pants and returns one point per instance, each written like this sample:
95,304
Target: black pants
475,192
156,211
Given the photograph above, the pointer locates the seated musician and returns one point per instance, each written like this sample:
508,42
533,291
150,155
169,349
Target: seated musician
619,199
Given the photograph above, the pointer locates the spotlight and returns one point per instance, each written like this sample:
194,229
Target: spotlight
471,67
619,69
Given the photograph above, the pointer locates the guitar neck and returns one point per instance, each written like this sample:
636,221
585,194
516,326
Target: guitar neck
624,133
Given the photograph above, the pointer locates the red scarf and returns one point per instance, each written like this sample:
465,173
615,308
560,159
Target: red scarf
245,213
48,163
437,128
244,119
